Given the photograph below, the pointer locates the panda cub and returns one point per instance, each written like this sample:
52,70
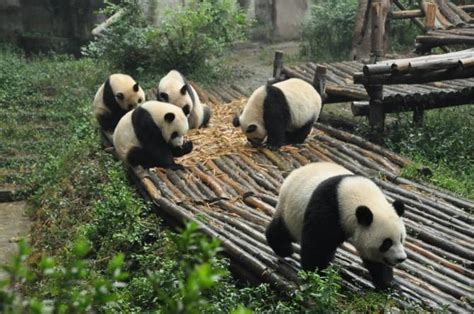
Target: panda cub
282,113
174,88
118,95
152,135
322,204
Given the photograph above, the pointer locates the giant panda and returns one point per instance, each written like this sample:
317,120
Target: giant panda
174,88
322,204
282,113
118,95
152,135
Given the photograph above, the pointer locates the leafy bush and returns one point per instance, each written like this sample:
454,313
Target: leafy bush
187,38
327,35
72,287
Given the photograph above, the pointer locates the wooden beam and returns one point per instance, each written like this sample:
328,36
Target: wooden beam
449,13
469,8
406,14
415,78
414,20
466,17
435,101
440,40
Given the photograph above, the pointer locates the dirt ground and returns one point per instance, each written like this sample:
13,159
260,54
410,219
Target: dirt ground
14,224
254,66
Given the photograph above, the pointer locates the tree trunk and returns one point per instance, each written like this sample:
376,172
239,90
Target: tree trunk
361,38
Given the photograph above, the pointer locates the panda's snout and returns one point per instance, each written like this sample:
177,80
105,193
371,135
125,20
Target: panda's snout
130,106
400,260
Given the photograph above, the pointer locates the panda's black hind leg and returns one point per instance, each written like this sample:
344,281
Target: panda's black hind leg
299,136
382,275
207,117
279,238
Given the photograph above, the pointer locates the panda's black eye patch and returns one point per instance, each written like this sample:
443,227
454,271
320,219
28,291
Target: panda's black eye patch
140,100
387,243
251,128
174,135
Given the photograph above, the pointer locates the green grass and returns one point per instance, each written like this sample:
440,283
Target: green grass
444,144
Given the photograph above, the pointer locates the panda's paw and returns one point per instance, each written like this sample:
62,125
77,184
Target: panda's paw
188,147
176,167
272,147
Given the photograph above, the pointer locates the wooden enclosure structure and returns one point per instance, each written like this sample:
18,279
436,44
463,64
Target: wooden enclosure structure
409,84
230,189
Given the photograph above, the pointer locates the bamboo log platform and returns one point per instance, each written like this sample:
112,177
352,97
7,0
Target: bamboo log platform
230,189
341,88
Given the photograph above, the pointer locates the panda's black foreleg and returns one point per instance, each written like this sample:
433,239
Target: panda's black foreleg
316,253
320,238
382,275
299,136
279,238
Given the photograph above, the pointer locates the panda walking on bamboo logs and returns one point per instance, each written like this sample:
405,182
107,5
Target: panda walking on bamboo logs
152,135
117,96
322,204
282,113
174,89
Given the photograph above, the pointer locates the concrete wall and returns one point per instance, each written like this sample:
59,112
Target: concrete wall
278,19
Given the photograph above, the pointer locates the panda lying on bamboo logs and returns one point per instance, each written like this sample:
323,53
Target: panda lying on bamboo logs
322,204
282,113
152,135
118,95
174,88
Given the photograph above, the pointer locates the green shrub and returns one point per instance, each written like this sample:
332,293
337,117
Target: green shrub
327,35
188,37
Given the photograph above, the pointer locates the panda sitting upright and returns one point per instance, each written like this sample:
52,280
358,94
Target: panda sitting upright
283,113
174,88
152,135
321,205
118,95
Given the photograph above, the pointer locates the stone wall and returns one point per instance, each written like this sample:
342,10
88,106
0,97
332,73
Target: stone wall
44,24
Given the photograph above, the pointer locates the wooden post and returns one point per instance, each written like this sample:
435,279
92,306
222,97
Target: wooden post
375,91
418,114
277,65
430,17
319,81
377,31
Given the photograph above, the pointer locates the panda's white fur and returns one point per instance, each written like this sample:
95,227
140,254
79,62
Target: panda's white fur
124,94
298,102
160,137
298,206
297,189
174,89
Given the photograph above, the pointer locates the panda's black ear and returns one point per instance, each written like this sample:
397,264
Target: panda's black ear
236,121
120,96
399,207
184,89
135,87
169,117
163,96
364,216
